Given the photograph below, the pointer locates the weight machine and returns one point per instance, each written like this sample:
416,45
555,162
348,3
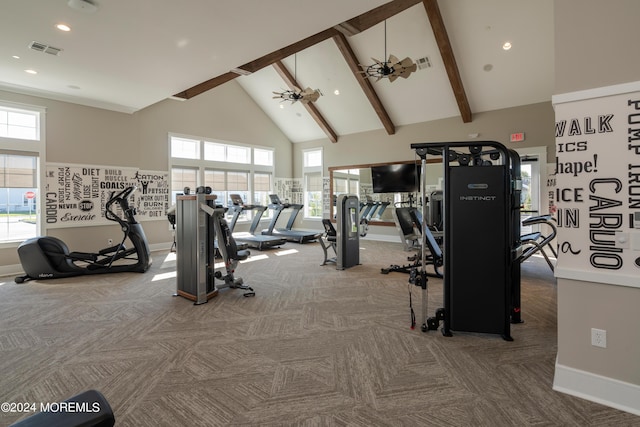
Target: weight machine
199,223
481,238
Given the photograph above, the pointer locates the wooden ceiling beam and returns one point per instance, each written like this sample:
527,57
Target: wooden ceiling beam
349,56
258,64
352,26
446,51
205,86
313,111
374,16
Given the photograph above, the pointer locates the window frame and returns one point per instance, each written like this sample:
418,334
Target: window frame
28,147
225,165
307,172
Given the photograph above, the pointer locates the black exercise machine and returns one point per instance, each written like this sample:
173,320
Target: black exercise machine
253,240
288,232
47,257
481,238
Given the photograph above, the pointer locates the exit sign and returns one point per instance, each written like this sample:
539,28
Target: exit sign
517,137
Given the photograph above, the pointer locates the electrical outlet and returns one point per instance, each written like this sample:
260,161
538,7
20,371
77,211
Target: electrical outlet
110,242
598,337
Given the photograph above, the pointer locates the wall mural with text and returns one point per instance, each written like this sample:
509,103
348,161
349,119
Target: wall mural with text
597,185
75,195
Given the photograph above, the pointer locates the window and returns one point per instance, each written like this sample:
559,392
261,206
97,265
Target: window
226,168
262,157
185,148
226,153
313,195
261,188
182,178
19,124
312,174
21,152
313,158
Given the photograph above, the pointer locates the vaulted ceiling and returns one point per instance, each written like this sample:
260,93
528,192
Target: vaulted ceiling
125,56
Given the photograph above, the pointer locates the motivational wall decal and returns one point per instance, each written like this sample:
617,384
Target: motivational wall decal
76,195
597,184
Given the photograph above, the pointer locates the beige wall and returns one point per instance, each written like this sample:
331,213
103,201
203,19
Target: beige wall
596,46
86,135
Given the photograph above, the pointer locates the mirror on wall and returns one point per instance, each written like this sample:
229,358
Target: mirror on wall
382,186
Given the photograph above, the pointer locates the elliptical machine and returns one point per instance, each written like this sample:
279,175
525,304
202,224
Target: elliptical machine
48,257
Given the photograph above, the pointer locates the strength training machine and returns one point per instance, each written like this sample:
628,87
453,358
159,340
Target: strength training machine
344,238
481,238
47,257
199,224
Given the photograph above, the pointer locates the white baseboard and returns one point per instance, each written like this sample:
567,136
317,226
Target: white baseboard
596,388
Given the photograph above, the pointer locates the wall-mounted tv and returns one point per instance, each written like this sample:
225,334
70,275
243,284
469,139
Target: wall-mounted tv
397,178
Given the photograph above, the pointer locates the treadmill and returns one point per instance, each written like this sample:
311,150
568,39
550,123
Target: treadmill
289,233
256,241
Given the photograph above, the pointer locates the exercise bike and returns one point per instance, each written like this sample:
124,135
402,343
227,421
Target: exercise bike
48,257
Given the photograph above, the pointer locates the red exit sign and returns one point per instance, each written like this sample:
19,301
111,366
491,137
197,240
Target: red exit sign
517,137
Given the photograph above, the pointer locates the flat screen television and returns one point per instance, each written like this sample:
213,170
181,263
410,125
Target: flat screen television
398,178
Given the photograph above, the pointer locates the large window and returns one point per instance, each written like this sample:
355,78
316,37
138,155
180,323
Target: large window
312,175
226,168
21,151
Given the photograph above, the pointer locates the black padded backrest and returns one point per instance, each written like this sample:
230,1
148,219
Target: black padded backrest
328,227
230,243
405,221
435,250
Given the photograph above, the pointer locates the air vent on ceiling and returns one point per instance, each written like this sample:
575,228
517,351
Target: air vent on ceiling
423,63
41,47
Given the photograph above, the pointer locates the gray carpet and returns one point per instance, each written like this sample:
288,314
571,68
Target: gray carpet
314,347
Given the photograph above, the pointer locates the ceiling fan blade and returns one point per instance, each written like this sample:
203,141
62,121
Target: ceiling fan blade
393,59
406,71
392,77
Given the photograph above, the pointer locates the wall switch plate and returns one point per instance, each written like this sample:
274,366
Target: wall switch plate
598,337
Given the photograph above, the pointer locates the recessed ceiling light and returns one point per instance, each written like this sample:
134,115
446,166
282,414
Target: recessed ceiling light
281,106
506,46
63,27
31,71
336,92
488,67
15,57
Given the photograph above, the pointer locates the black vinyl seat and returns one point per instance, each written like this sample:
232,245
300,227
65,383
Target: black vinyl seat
328,240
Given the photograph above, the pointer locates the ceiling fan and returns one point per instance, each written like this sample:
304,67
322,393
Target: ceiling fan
391,68
295,95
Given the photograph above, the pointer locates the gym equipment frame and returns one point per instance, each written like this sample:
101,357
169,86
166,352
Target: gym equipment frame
198,224
481,222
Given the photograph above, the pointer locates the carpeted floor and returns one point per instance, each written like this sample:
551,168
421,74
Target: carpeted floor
314,347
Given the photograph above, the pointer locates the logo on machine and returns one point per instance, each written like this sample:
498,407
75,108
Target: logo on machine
85,205
45,275
477,186
478,198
